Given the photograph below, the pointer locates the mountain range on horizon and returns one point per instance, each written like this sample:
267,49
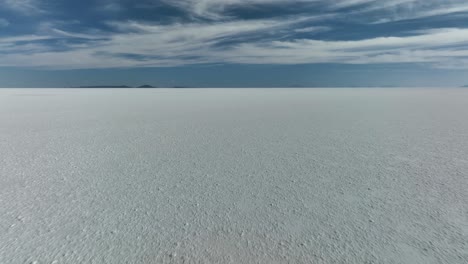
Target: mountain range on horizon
116,86
147,86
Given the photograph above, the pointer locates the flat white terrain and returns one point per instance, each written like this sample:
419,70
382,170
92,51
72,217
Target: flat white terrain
234,176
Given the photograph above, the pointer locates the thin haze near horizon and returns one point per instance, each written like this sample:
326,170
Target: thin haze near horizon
233,43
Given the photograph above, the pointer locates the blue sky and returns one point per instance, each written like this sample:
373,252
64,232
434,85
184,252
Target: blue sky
234,43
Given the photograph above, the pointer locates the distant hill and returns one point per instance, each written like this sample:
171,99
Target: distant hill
106,86
115,86
465,86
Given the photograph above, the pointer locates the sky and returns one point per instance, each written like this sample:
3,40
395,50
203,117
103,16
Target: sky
234,43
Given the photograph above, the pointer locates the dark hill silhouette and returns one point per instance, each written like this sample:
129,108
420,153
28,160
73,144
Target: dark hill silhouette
115,86
106,86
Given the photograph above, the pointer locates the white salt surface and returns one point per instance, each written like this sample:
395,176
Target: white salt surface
234,176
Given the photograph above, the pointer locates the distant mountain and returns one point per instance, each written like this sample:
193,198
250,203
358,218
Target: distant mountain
465,86
116,86
106,86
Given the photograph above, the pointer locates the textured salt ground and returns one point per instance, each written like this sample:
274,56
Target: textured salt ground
234,176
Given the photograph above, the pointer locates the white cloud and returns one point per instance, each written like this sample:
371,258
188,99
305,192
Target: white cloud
150,45
398,10
170,43
432,47
28,7
109,6
214,8
394,9
312,29
23,38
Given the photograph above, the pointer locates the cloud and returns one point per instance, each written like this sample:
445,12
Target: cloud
159,45
214,8
312,29
433,47
28,7
395,10
221,38
138,44
399,10
109,6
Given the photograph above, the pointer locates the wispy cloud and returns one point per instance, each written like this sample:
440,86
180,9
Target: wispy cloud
157,45
312,29
432,47
419,10
388,10
148,45
214,35
109,6
28,7
214,9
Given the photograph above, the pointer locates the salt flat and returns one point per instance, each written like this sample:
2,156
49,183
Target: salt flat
234,176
